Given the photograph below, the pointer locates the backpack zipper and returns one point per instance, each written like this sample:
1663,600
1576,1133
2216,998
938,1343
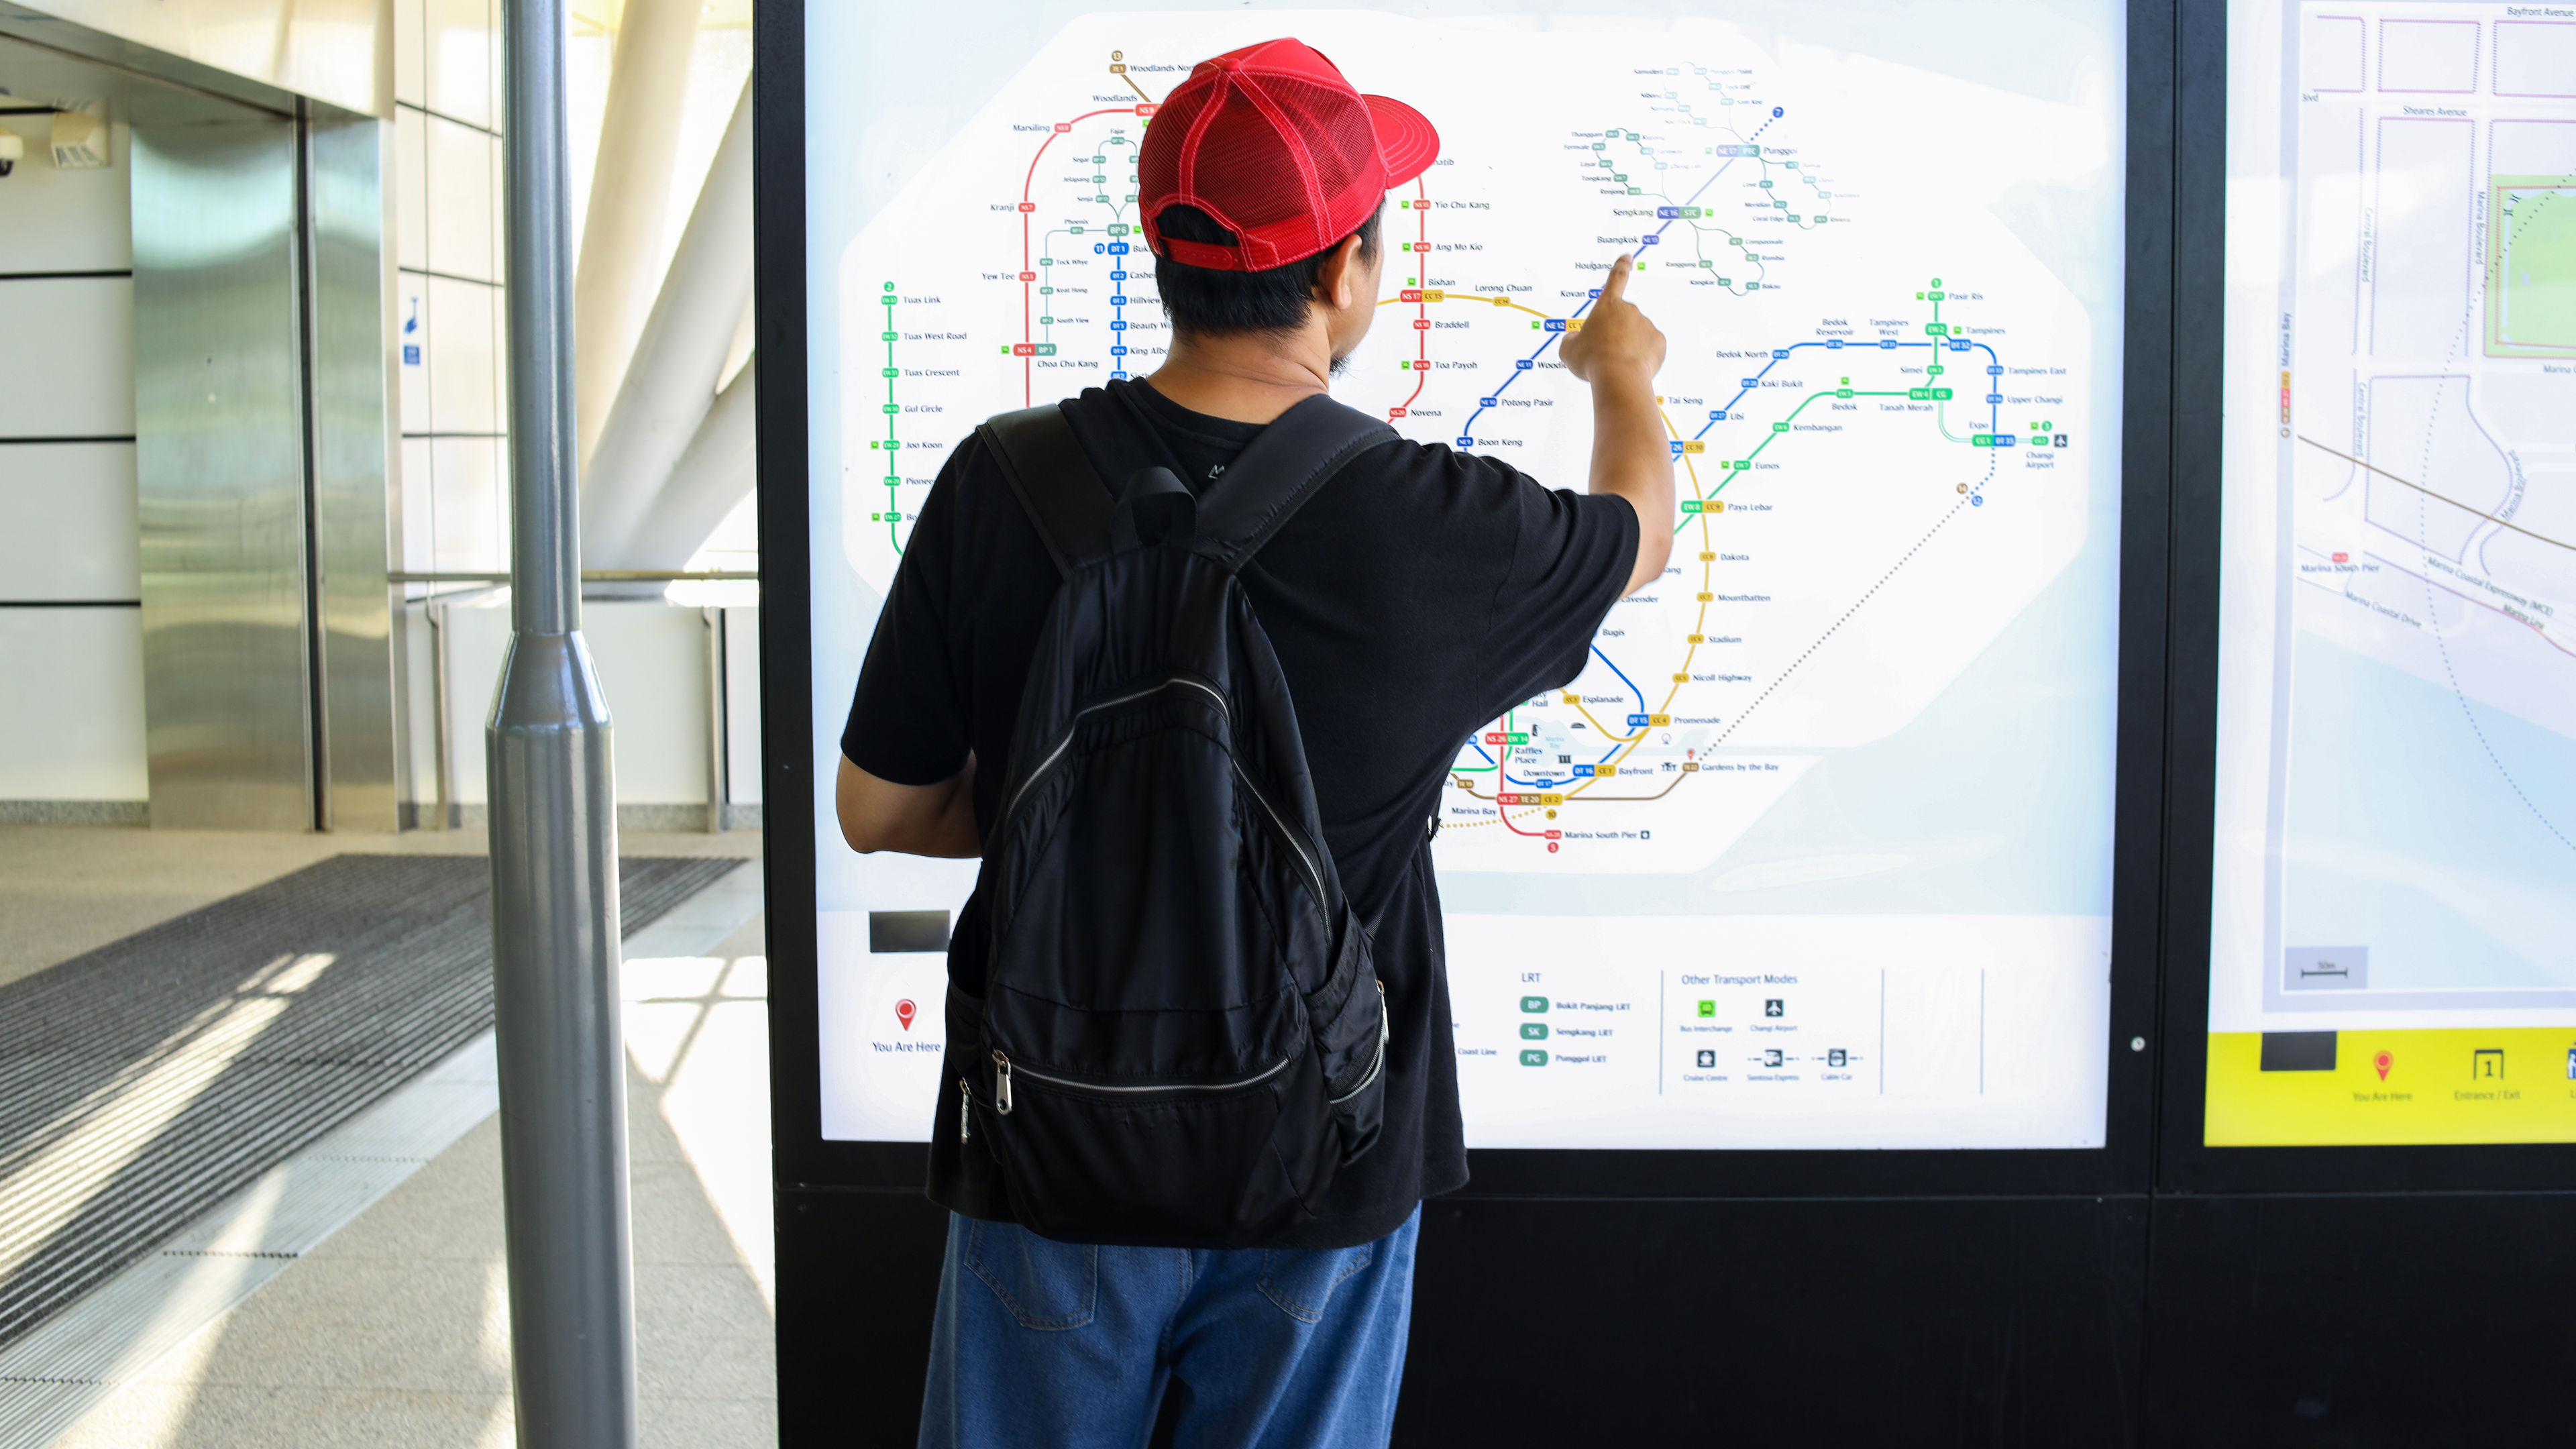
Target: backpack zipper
1002,1070
1043,766
1314,874
1310,867
1384,1030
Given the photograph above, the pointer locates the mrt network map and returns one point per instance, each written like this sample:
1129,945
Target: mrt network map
1712,892
2397,804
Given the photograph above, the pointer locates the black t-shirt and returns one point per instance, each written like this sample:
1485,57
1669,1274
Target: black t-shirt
1414,597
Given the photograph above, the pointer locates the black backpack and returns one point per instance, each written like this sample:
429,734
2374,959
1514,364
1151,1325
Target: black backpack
1182,1038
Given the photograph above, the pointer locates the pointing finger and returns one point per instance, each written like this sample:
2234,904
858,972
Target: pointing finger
1616,289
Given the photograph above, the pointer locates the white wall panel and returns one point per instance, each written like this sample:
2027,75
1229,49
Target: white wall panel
462,229
742,706
410,182
651,657
67,524
457,53
413,348
70,343
411,74
478,639
71,716
470,509
64,221
463,369
419,524
652,662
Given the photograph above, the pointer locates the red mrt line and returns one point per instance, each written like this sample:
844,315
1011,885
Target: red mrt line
1421,311
1026,347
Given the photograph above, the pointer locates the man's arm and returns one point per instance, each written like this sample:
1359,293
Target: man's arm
1618,351
914,819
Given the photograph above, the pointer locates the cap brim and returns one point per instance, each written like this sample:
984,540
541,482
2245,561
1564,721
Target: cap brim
1406,144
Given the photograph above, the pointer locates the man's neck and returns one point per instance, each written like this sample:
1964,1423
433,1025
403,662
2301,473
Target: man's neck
1249,377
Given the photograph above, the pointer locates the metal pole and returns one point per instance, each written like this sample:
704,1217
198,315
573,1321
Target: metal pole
554,842
715,621
442,726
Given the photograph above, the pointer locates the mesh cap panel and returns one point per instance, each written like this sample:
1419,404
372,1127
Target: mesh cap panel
1158,159
1245,166
1271,142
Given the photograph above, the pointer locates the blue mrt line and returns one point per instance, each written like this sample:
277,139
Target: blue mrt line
1778,355
1623,677
1466,435
1606,754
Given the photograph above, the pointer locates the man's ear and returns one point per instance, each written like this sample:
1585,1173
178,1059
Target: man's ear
1337,281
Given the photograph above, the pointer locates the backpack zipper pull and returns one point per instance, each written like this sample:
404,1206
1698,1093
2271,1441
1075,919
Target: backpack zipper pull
1001,1083
965,1111
1385,1028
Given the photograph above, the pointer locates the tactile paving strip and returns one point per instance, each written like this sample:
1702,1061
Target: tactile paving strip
144,1082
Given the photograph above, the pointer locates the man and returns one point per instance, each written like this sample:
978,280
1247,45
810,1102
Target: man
1415,597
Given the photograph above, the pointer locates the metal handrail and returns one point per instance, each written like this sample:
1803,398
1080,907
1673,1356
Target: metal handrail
588,576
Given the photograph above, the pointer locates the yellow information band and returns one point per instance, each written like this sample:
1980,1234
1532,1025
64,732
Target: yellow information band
2391,1088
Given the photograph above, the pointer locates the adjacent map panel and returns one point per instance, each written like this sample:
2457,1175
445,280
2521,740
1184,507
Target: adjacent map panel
1816,851
2394,951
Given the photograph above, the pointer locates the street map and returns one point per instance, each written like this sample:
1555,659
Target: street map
2397,782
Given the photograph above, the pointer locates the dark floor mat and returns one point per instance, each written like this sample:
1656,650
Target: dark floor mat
144,1082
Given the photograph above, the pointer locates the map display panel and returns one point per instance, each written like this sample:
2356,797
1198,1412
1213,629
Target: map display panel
1816,850
2393,954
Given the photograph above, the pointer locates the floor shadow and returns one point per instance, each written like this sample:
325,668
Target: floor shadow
144,1082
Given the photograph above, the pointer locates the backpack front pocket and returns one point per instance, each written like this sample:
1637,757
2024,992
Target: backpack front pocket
1095,1162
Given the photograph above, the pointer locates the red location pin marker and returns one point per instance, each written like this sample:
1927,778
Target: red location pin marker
2383,1061
903,1011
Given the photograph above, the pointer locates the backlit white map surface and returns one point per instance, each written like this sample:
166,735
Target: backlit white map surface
2397,785
1816,852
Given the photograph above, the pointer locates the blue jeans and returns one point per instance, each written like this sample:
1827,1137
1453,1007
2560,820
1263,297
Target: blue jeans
1041,1343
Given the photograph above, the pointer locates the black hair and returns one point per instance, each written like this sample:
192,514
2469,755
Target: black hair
1205,302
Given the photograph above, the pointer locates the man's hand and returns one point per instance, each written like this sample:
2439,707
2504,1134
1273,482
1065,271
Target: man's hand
879,814
1614,334
1618,351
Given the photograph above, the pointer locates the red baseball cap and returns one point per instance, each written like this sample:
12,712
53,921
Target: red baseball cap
1279,149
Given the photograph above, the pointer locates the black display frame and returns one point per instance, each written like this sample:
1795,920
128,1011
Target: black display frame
2141,911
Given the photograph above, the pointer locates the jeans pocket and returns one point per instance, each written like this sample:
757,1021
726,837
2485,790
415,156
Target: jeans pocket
1301,1282
1045,1284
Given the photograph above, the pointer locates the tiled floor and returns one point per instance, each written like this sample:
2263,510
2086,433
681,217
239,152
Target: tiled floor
395,1330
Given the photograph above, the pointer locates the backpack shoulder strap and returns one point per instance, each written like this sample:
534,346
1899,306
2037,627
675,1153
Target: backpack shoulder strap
1288,464
1054,480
